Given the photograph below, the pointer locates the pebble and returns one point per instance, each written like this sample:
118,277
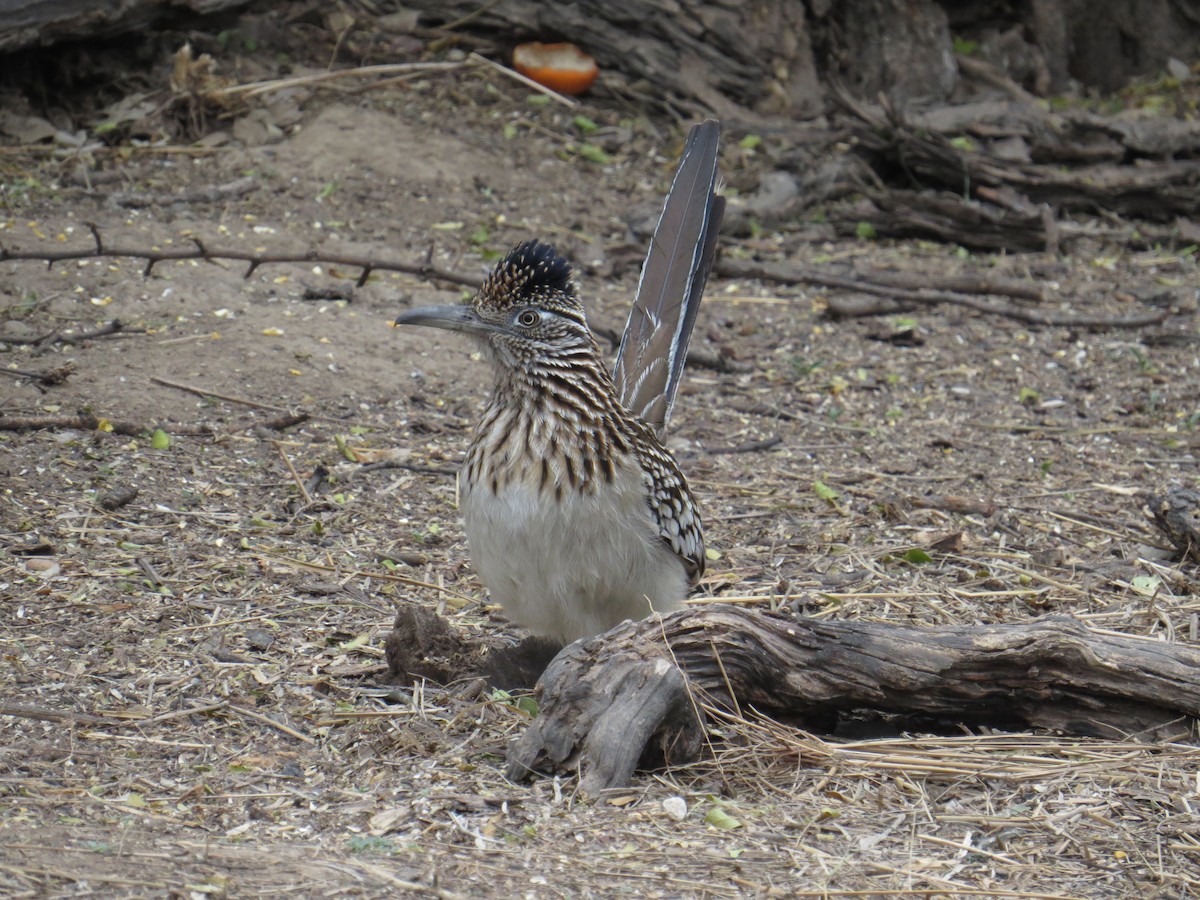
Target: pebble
676,808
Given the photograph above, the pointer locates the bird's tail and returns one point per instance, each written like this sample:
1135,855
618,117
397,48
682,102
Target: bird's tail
654,346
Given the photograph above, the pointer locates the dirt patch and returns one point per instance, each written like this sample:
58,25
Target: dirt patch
193,680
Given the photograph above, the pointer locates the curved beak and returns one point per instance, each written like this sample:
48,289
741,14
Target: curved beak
453,318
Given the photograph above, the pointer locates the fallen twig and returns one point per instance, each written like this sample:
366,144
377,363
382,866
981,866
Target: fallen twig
47,377
200,250
116,326
295,475
53,715
228,398
81,422
408,467
215,194
749,446
791,275
258,88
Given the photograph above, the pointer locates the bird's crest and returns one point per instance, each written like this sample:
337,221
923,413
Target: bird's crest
532,272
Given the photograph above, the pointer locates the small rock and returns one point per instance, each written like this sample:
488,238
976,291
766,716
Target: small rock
676,808
1179,70
259,639
44,566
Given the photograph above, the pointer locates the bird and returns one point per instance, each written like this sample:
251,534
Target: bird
577,517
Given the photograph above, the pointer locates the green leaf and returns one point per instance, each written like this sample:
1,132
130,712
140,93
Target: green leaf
718,818
354,643
1146,585
592,153
963,143
160,440
965,47
480,235
750,142
537,100
584,124
509,131
917,557
527,705
825,492
344,448
1028,396
865,230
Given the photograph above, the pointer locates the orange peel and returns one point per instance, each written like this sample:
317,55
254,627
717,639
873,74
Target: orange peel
561,67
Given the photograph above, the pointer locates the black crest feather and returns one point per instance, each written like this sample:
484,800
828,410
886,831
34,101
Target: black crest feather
536,268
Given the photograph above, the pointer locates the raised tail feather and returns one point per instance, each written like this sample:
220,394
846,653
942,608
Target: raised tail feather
654,347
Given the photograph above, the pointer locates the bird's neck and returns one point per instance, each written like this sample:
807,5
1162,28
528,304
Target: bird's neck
574,386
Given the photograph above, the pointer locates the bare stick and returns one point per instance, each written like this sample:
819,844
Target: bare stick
528,82
295,475
52,715
47,377
257,88
81,422
790,275
228,398
200,250
218,194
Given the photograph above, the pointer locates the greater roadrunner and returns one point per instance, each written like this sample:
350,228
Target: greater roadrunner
576,515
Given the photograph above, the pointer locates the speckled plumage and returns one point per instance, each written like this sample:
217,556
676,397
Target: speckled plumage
554,416
576,515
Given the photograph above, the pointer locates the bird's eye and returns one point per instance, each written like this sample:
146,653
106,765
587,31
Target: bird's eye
527,318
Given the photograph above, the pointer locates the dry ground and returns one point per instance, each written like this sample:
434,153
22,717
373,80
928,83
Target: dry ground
194,696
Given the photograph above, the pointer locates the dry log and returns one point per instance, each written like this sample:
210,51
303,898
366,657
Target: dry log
634,693
1155,190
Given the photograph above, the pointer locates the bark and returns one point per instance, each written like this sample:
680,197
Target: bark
770,56
632,694
33,23
723,56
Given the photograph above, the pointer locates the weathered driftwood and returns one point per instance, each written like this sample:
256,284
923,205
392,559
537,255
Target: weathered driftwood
635,692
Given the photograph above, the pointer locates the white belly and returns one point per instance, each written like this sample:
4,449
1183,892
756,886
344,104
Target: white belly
562,569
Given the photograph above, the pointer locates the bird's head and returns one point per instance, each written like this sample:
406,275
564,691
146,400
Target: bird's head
527,312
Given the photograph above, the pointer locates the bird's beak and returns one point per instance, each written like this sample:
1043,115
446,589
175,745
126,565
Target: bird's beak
453,318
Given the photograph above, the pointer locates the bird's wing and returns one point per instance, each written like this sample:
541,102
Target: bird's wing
654,346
